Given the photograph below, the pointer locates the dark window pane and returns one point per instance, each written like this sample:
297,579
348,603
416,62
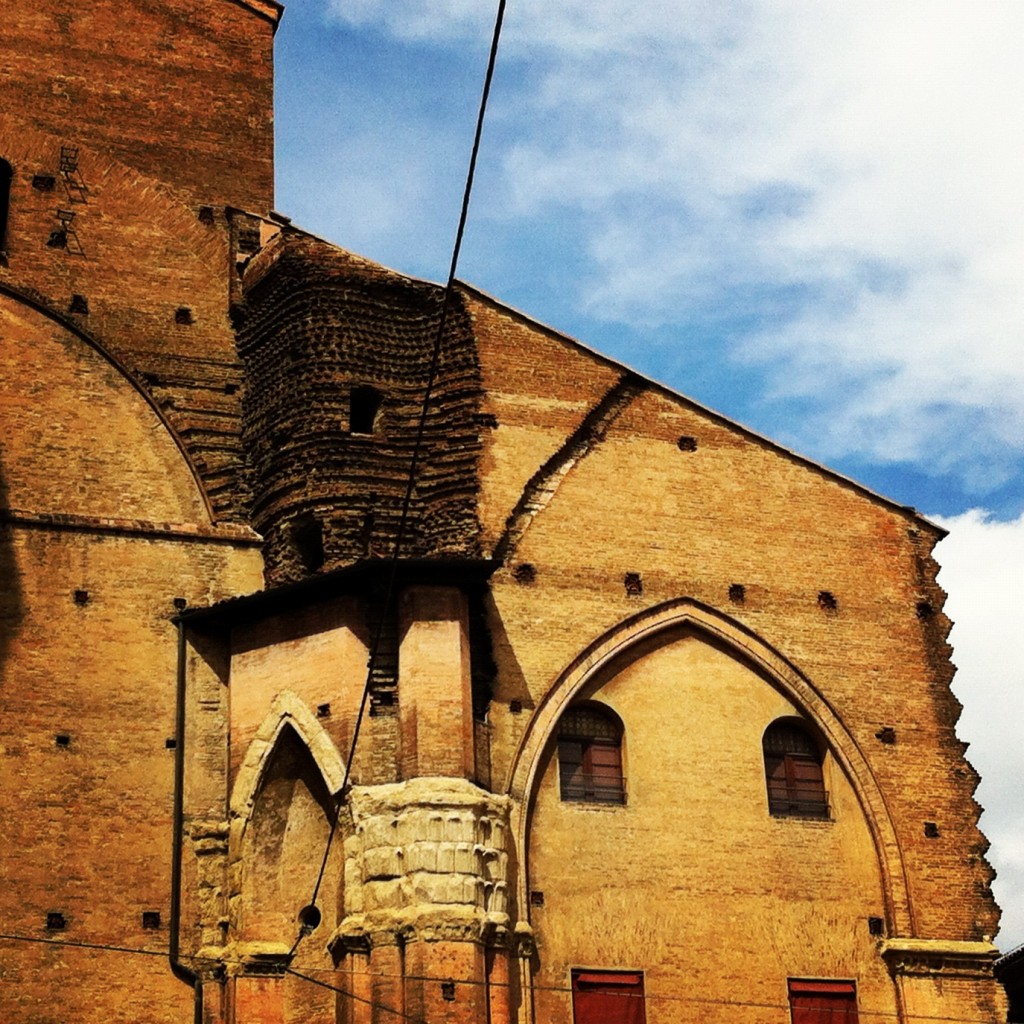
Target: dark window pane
793,773
590,758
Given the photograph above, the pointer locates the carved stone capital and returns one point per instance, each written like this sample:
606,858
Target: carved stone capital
257,958
361,933
524,943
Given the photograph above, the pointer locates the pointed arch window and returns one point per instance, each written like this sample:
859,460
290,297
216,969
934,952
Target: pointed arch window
284,839
793,771
590,756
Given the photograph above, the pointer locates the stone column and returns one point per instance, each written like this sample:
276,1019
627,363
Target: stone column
426,894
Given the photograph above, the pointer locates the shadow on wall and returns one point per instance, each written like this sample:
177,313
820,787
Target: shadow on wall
11,607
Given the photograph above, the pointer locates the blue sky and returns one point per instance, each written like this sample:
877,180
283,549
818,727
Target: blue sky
806,215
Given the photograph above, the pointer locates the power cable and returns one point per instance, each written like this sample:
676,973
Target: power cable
562,989
103,947
83,945
360,999
309,915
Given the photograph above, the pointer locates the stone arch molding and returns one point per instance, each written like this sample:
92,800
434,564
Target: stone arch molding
286,710
682,614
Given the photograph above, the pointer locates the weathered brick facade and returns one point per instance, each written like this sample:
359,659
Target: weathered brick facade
207,425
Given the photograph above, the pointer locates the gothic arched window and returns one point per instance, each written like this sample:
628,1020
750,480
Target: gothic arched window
590,756
793,772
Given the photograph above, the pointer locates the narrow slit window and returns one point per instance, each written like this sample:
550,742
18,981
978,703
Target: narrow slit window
364,410
793,772
590,756
307,538
6,176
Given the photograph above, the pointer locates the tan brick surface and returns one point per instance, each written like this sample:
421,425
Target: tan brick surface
602,499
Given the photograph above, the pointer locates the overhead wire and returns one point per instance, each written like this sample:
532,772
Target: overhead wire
306,973
359,999
414,461
394,562
104,947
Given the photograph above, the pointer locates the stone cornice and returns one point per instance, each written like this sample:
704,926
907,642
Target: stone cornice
944,957
223,533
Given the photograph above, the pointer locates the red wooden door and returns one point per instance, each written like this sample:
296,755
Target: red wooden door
823,1002
608,997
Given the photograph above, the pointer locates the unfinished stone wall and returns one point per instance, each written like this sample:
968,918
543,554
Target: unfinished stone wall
426,903
137,447
337,355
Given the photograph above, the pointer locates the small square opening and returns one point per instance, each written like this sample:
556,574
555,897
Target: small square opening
524,573
633,583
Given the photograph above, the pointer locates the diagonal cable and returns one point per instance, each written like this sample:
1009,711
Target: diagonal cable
414,461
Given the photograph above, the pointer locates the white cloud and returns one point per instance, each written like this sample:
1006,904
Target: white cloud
862,161
982,568
849,172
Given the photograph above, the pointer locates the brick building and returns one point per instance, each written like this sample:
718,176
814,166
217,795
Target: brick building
658,724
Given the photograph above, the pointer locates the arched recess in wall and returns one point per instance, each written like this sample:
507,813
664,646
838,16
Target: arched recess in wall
677,617
79,435
287,710
282,806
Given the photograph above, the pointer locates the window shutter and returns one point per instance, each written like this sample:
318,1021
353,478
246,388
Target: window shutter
590,756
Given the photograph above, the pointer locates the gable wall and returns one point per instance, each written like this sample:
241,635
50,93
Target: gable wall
739,510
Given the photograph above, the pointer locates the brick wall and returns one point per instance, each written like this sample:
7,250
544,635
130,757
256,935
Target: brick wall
182,93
